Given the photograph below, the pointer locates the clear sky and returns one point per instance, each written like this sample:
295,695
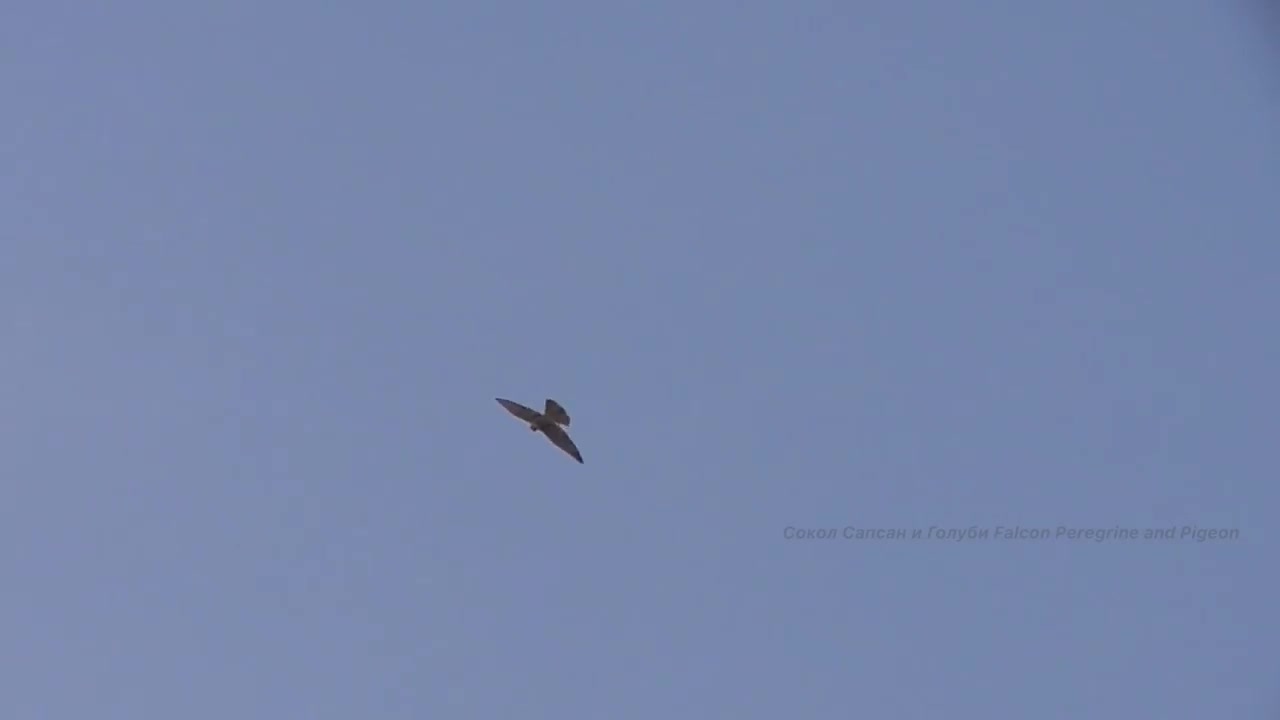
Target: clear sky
887,265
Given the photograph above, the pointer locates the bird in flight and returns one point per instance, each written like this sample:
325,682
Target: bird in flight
549,421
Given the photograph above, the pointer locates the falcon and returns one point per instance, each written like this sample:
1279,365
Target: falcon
549,421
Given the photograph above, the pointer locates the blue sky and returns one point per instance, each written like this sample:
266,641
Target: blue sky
807,264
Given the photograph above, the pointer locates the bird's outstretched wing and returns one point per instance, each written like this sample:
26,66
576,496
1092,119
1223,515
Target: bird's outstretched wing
556,412
557,435
520,411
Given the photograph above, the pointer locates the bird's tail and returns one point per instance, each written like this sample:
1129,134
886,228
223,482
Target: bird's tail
556,413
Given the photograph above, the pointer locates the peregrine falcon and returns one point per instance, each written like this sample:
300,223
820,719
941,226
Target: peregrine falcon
549,421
